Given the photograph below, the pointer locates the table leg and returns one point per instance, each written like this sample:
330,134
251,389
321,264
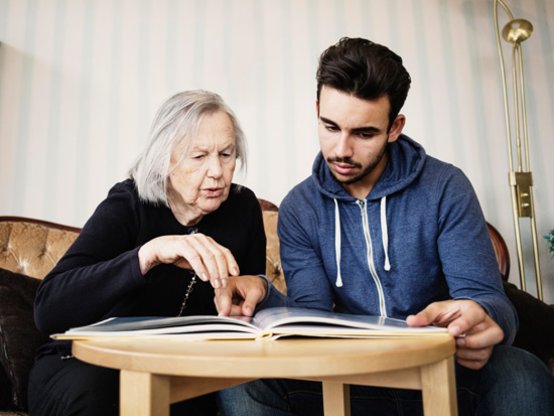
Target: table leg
143,394
336,398
438,385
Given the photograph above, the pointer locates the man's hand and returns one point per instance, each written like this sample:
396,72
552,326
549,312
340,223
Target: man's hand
475,331
240,296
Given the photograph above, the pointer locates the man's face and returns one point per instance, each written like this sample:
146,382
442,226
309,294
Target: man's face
353,136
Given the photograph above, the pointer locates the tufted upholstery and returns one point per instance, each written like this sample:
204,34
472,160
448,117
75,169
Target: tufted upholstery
33,247
273,268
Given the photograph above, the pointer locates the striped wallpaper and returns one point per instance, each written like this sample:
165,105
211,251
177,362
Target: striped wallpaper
80,81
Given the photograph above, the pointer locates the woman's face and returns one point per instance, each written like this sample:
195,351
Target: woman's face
200,178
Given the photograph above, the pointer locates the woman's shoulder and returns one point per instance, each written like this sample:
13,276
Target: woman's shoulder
125,187
241,200
242,194
127,191
122,197
119,195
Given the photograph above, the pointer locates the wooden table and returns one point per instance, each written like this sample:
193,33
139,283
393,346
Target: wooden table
157,371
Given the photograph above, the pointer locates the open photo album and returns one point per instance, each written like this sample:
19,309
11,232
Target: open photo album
267,323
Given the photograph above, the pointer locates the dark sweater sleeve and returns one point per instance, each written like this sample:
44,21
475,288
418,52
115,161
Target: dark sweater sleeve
97,270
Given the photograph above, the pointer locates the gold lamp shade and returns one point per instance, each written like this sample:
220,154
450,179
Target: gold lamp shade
517,31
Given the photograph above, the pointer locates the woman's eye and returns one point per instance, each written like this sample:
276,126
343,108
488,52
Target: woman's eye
198,157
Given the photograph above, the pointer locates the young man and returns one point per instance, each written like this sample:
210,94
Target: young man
382,228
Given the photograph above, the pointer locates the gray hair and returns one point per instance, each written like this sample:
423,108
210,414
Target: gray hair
176,122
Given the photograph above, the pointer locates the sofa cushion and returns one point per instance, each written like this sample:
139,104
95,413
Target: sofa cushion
536,324
5,390
19,338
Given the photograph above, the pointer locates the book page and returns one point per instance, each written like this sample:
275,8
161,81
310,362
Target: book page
311,322
165,325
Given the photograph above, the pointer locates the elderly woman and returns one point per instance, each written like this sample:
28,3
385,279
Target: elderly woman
158,245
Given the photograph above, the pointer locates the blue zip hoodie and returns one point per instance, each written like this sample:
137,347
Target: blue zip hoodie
418,237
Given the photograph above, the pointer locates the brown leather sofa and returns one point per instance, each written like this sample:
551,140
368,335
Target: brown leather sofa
29,249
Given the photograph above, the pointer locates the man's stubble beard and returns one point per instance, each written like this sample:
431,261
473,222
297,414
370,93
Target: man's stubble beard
369,168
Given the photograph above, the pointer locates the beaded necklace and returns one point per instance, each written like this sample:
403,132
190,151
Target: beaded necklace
187,294
191,284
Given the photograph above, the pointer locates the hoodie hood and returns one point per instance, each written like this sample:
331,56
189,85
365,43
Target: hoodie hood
406,161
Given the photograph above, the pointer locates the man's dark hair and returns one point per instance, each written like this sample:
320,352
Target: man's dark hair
366,70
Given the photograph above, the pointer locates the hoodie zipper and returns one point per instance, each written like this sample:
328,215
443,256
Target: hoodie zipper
365,224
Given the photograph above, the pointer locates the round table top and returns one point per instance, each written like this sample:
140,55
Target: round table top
298,357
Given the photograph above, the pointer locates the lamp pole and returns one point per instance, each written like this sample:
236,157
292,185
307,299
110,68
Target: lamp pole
520,178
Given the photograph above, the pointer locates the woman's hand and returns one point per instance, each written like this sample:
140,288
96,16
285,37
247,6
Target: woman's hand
209,260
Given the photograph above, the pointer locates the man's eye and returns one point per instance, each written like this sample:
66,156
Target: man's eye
366,135
331,128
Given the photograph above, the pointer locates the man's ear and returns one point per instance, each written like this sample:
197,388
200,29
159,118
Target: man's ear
317,107
396,128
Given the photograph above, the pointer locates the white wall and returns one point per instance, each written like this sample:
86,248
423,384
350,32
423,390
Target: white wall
80,81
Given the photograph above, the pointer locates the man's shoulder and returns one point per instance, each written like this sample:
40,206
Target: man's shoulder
301,195
440,169
432,162
301,210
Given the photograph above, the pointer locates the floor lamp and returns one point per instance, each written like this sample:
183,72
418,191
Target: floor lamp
515,32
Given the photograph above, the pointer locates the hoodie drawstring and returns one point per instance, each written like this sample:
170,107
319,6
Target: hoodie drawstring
384,238
385,232
338,282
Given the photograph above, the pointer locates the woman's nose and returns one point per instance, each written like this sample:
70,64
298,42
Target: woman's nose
214,167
